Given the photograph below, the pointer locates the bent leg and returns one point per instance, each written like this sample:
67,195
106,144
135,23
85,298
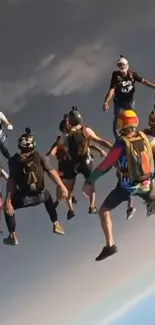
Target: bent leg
69,180
63,165
130,209
51,210
70,187
50,207
85,168
17,203
114,199
61,168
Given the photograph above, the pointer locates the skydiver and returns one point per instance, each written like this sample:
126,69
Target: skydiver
132,152
62,144
122,89
60,152
80,161
150,132
25,186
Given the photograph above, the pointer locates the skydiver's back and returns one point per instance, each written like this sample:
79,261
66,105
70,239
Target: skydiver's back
78,141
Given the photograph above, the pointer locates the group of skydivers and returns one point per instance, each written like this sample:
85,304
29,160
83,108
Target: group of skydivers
132,154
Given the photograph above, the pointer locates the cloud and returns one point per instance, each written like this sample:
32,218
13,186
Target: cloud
82,70
46,61
13,94
120,313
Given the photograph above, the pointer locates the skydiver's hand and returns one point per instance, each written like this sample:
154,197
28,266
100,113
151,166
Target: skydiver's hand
63,192
10,127
87,190
106,107
8,208
103,154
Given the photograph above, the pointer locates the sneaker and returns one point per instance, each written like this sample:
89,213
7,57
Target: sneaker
106,252
58,228
74,201
129,213
70,214
92,210
11,240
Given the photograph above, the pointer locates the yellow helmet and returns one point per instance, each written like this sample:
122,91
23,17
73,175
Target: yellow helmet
127,118
152,118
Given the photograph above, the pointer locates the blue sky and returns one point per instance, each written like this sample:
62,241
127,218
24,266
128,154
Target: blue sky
144,313
55,54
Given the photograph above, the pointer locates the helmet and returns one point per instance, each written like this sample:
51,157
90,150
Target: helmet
64,124
122,64
152,118
27,142
74,117
127,119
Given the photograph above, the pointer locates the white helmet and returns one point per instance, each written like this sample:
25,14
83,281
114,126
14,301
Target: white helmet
122,65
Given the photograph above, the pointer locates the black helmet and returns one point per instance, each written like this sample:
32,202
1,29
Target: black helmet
27,142
74,117
64,124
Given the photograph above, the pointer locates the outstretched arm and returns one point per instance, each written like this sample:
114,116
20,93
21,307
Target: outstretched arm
148,83
143,81
53,174
98,149
94,137
109,96
106,164
53,150
54,147
5,121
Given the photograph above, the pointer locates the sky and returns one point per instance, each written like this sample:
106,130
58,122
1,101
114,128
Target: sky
55,54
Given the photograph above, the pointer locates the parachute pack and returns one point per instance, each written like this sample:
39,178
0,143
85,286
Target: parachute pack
140,162
32,172
77,143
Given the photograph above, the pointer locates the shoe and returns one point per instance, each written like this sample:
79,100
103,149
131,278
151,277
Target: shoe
92,210
58,228
70,214
11,240
129,213
106,252
74,201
